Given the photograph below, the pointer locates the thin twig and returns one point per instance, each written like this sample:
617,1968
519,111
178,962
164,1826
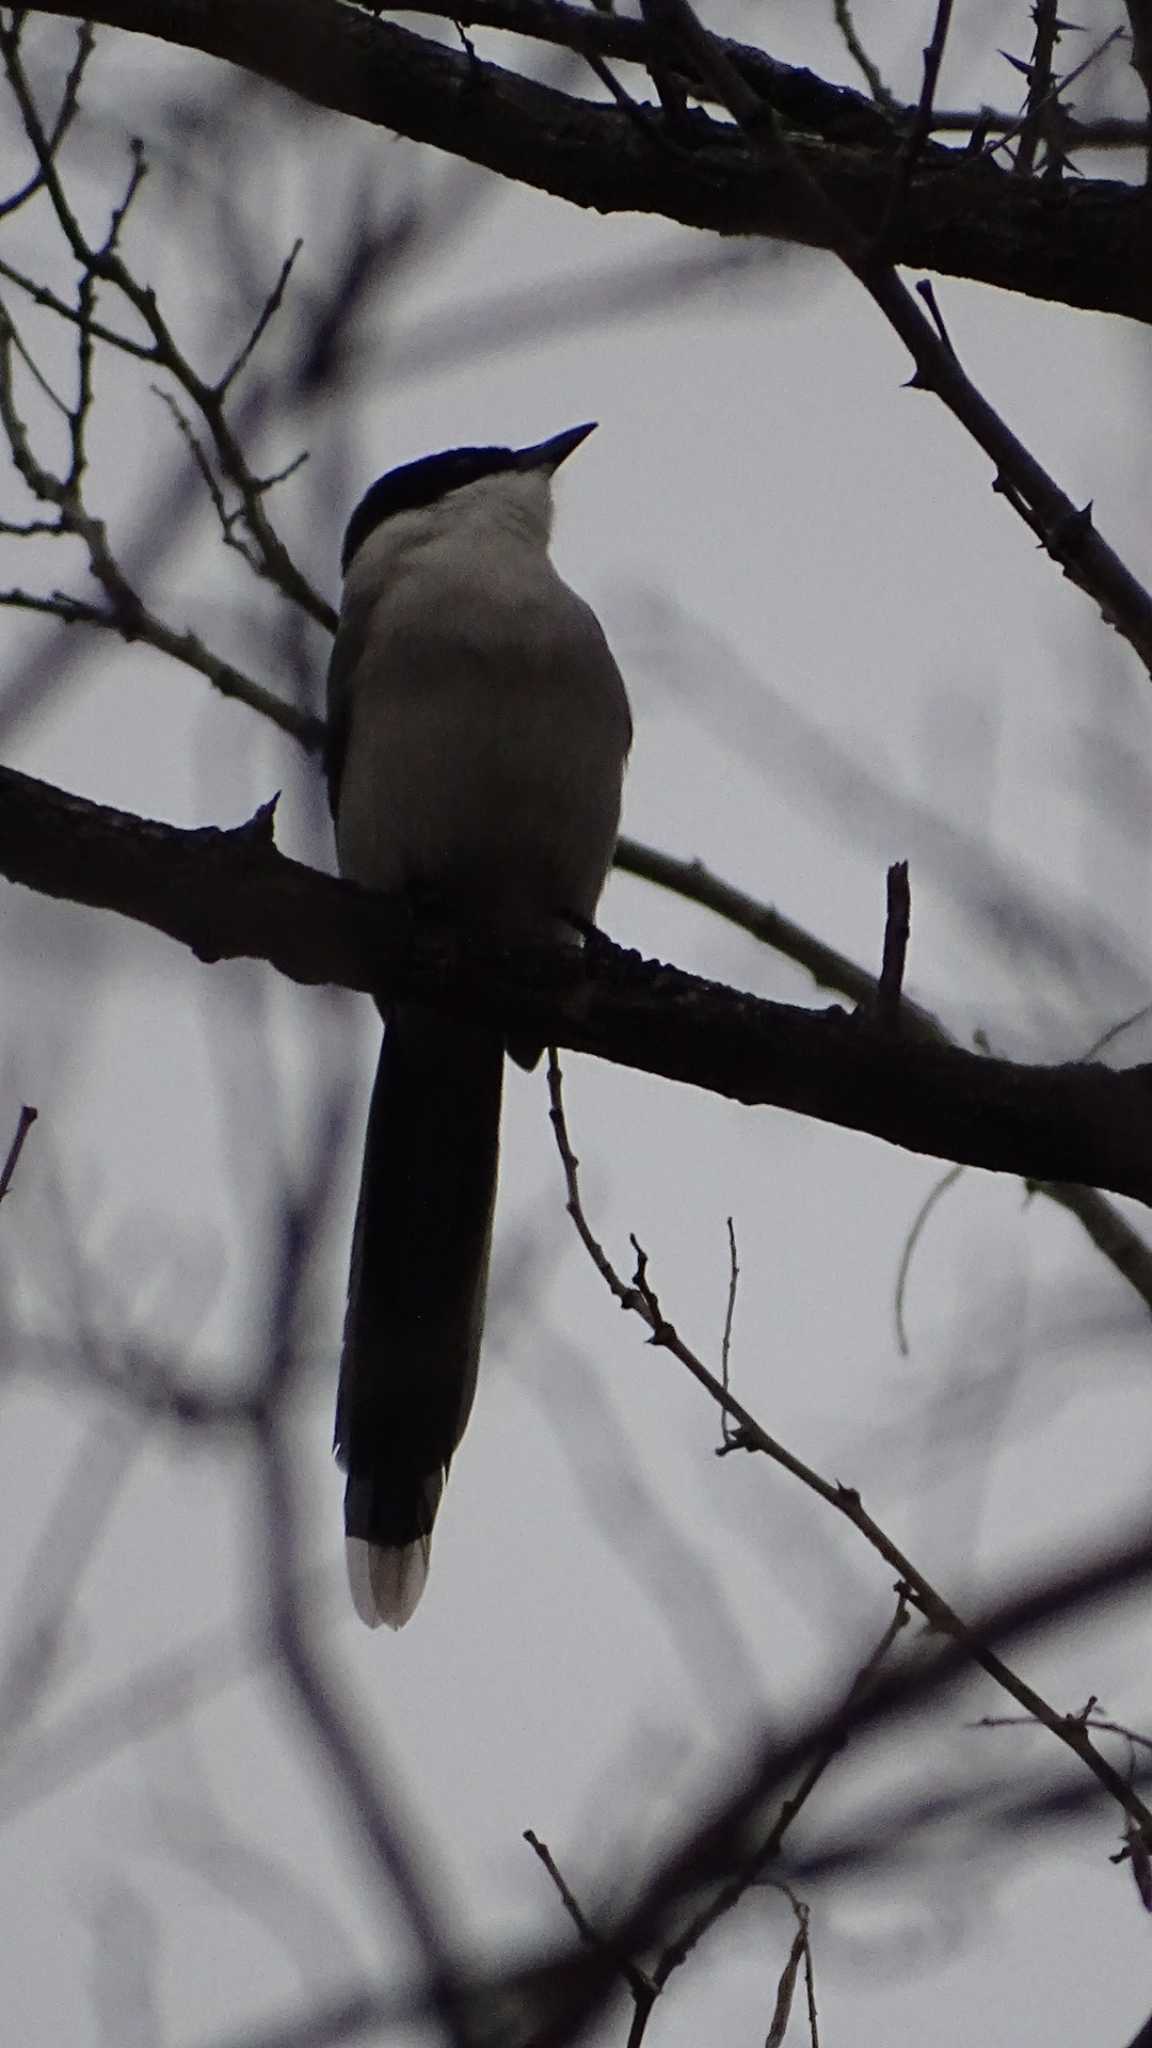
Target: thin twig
42,295
729,1313
861,59
639,1984
24,1123
21,349
268,310
1095,1721
654,132
104,262
919,131
782,2010
65,113
1066,531
828,967
934,1195
897,926
1140,26
677,1951
1108,1230
46,1598
227,521
572,1906
640,1299
124,611
926,291
1116,1031
186,648
810,1990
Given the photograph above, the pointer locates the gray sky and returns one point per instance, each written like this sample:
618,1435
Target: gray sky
842,650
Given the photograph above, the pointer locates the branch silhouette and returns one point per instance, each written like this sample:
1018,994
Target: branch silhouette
232,895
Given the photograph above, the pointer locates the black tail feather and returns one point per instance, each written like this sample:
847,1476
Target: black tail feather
418,1281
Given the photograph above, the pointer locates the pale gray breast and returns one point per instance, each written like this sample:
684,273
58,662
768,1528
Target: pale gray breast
482,732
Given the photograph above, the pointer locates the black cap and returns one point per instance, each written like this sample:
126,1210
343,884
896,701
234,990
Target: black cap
425,482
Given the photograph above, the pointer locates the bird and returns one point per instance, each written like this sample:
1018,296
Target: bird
478,731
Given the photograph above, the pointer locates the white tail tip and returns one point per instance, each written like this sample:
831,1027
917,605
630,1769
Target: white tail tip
386,1584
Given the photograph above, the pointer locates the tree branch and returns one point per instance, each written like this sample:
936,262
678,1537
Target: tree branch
1083,244
231,895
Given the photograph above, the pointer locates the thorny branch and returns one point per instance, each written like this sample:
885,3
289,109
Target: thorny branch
1050,110
638,1297
967,218
1067,533
1040,74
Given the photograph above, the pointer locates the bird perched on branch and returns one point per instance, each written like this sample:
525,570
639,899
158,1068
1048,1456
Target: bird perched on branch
478,730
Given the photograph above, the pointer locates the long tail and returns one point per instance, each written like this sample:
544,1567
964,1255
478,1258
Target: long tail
415,1296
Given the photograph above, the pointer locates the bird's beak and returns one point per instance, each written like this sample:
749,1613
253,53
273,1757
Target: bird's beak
550,454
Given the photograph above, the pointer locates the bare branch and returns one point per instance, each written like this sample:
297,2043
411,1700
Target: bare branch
641,1986
124,611
266,315
918,132
24,1123
723,1838
785,1989
230,894
1067,533
83,1504
767,1852
1061,128
1109,1231
829,968
897,927
66,114
102,262
729,1316
992,227
1140,23
919,1221
639,1298
860,57
186,647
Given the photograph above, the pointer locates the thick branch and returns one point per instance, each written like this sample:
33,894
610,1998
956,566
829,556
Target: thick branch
231,895
1085,243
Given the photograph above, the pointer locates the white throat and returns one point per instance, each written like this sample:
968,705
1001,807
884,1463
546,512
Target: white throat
509,512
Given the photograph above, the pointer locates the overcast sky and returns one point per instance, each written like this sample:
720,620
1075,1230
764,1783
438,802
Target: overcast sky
842,649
